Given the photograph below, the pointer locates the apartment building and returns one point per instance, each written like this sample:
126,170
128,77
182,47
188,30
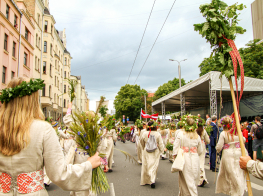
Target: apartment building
17,41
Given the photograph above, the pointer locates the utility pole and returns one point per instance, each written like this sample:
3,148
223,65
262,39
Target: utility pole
145,105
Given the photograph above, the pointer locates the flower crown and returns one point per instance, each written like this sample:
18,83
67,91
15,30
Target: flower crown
184,124
23,89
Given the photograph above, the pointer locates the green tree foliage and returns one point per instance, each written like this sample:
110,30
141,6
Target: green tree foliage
221,22
103,111
167,88
129,101
252,57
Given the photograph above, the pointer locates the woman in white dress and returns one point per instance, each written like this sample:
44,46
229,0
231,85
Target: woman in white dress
163,133
150,160
171,138
205,140
231,179
190,142
138,148
28,144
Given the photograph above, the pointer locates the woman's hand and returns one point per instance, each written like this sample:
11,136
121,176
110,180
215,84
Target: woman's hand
70,105
95,160
165,149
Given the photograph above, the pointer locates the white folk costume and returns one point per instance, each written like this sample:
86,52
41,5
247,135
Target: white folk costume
231,179
25,169
205,140
171,139
109,137
75,156
138,147
164,136
189,177
150,161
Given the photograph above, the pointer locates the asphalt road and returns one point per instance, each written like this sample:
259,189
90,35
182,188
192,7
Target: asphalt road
126,179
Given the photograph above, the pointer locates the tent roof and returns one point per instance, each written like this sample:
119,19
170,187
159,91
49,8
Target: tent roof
197,92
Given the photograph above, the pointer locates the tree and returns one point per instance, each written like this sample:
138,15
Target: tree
103,111
129,101
168,87
252,57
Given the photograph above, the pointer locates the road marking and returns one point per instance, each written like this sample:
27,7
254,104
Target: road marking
112,192
253,185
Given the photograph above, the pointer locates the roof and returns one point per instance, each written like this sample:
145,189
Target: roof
197,92
46,11
66,51
150,94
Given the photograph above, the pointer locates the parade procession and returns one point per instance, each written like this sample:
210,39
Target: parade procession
94,133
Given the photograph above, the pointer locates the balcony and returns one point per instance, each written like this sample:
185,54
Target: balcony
46,101
55,106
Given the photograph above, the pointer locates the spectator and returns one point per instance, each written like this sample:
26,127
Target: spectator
245,134
257,143
250,139
207,118
213,138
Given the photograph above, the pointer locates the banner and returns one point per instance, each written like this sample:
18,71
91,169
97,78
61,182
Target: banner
144,115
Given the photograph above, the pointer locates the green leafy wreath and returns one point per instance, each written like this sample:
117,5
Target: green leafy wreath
23,89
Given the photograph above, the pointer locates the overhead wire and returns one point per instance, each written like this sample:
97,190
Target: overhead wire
155,42
141,41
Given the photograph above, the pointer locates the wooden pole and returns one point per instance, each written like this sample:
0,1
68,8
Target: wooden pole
243,150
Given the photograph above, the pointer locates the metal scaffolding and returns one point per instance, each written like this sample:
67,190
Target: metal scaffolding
213,101
163,112
182,101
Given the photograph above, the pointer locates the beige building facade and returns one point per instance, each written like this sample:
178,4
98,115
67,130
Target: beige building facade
257,19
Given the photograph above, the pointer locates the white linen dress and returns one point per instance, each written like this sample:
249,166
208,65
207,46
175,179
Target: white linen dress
205,140
44,150
231,179
164,138
171,138
150,161
189,177
138,150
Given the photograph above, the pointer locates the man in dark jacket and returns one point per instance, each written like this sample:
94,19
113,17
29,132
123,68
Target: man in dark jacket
213,138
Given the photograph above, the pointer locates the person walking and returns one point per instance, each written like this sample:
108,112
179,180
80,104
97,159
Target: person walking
171,138
190,142
257,142
163,133
213,138
231,179
28,144
245,134
205,140
150,160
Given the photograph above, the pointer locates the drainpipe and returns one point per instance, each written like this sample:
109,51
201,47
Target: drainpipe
19,44
63,83
41,61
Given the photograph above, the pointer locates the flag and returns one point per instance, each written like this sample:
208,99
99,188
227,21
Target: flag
144,115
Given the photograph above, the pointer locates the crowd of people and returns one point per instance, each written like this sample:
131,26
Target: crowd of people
33,154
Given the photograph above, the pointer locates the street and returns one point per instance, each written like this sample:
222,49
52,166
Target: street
126,179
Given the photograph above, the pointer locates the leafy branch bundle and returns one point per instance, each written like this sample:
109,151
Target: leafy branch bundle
169,146
139,124
124,131
72,84
221,22
88,137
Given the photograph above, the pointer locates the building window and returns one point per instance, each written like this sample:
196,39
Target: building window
55,97
50,70
12,75
46,23
65,74
45,46
36,63
25,58
6,42
36,39
44,67
15,21
51,29
14,49
38,19
64,103
51,49
55,64
65,60
7,11
39,42
68,75
50,91
44,91
26,33
3,75
65,88
55,80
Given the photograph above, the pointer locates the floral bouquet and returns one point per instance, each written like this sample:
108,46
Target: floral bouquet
88,137
169,146
73,84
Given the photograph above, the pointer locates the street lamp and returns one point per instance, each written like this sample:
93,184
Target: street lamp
179,72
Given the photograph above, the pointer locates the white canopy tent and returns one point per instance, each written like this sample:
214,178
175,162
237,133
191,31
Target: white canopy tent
205,92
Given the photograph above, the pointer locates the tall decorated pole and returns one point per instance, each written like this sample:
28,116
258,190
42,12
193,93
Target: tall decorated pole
220,30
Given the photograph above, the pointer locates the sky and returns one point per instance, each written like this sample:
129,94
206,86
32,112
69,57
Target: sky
103,38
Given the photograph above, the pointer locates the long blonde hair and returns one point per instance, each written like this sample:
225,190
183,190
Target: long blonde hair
16,117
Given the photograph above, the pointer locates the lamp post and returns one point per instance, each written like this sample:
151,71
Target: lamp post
179,72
